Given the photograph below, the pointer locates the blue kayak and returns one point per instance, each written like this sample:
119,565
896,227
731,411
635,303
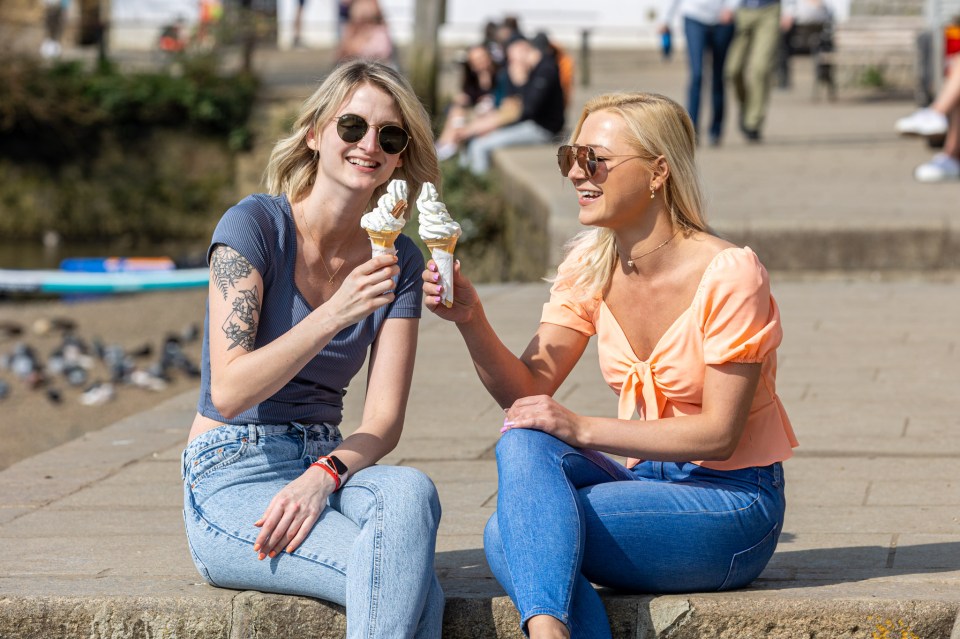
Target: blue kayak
62,282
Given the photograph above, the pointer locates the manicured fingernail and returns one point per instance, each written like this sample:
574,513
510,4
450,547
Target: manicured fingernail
261,556
436,277
439,289
507,423
439,299
273,553
432,267
256,547
289,548
504,429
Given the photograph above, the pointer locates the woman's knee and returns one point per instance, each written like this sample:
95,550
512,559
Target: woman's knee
524,444
400,488
416,487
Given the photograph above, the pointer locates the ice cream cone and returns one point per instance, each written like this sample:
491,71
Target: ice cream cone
382,242
444,244
441,250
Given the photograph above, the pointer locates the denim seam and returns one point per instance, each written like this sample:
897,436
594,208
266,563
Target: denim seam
572,570
733,559
221,531
756,498
377,542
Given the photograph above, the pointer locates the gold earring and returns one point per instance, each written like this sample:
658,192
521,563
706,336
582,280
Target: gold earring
653,192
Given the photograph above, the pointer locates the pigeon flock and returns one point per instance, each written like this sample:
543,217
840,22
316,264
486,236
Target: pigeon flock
100,369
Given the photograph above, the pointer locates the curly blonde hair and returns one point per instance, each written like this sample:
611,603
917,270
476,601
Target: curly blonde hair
655,126
292,168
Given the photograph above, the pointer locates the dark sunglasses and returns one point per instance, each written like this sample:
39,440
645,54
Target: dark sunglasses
585,156
391,138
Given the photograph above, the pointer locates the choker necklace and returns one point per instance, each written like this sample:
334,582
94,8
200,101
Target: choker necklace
316,243
634,258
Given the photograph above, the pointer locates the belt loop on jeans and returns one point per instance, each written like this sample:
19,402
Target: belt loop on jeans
252,433
303,433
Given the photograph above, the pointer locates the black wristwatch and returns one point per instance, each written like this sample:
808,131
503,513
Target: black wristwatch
333,467
333,463
339,466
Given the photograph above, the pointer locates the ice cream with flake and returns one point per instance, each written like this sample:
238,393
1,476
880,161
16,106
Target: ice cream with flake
384,223
439,232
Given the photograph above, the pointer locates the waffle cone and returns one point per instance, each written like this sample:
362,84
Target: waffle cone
383,239
444,244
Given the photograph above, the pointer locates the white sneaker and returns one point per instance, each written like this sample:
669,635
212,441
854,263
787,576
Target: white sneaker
925,122
940,169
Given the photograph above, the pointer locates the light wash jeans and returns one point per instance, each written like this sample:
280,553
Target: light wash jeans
371,550
567,517
476,156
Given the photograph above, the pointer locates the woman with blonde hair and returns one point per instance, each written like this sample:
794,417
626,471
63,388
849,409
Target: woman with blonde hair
275,499
687,334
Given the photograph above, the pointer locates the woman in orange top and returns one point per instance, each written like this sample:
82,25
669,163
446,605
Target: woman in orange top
687,333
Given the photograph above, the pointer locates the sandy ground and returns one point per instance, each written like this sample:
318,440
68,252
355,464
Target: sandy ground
30,422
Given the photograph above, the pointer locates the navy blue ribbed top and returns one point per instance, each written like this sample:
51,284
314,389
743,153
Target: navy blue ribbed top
262,230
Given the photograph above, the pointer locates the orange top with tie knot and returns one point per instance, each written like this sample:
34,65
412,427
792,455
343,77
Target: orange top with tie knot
733,318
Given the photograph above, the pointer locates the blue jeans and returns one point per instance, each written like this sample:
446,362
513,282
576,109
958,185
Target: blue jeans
371,550
567,517
476,156
716,39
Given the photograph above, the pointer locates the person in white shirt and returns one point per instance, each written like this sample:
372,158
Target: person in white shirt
708,27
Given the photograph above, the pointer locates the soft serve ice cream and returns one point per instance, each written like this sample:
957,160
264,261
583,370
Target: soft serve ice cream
439,232
384,223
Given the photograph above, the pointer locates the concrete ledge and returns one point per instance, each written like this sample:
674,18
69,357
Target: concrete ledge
873,249
527,238
239,615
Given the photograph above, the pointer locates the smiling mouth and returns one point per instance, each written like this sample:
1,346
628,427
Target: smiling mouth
587,194
367,164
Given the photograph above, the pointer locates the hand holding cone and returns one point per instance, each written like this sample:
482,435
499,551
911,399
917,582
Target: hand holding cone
440,233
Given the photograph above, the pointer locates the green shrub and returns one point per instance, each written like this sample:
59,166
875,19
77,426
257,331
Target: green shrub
102,154
57,113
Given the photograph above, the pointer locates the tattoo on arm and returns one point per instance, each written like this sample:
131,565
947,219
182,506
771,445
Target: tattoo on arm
241,325
227,267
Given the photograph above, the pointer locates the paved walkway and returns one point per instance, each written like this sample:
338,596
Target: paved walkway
869,371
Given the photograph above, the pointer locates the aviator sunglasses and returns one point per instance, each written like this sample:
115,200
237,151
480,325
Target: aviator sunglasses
585,156
391,138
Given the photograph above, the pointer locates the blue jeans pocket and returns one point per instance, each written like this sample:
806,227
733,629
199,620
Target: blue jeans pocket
748,564
214,457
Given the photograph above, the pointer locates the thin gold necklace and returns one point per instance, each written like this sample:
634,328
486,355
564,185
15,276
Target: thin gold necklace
634,258
323,262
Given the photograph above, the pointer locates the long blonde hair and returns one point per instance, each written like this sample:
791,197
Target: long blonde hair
292,168
655,126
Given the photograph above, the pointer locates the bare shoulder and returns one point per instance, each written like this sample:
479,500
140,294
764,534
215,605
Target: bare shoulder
702,248
710,244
